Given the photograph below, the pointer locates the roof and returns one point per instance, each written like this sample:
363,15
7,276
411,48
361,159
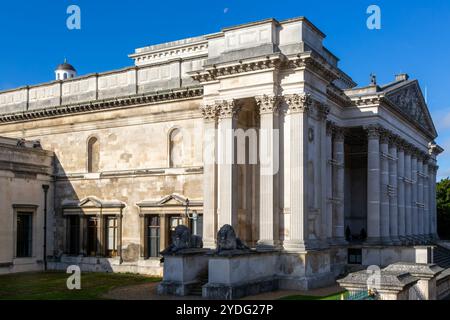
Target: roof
65,66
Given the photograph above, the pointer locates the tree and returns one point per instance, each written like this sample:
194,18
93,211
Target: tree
443,208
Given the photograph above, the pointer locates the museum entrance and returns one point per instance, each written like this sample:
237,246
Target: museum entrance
355,200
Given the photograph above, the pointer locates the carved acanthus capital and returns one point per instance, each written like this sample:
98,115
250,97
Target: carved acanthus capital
268,104
373,131
227,108
339,134
385,136
298,102
322,111
330,127
209,112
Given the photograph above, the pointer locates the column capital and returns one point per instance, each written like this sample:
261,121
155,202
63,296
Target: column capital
322,110
373,131
330,126
339,133
268,104
298,103
385,136
228,108
209,112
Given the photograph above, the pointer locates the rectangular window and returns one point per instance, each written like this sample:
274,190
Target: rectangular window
73,234
111,236
355,256
24,234
92,236
174,222
153,236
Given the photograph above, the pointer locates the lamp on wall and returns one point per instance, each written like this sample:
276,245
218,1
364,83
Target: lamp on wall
192,216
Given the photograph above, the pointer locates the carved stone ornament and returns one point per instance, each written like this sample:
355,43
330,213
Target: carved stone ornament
228,242
209,112
267,104
228,108
182,240
298,102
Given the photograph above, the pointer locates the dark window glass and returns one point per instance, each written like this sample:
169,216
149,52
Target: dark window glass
24,234
111,236
92,236
355,256
153,236
74,234
174,222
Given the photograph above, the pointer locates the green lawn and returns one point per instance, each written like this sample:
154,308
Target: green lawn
335,296
52,285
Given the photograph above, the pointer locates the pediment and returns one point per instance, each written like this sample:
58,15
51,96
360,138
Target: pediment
408,99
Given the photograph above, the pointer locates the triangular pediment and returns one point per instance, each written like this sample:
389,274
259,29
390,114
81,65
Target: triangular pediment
173,199
90,202
408,100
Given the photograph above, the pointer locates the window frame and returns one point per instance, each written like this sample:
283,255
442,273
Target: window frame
30,210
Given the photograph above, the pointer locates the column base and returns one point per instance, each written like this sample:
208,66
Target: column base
301,245
209,244
268,245
395,240
373,241
335,242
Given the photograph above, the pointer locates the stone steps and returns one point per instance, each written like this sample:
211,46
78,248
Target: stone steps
197,289
441,257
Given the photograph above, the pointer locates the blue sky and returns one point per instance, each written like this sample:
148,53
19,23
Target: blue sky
414,38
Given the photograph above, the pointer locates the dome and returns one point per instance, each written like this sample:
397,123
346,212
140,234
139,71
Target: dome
65,66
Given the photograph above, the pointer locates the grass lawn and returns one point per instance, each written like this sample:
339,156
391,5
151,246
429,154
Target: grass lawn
334,296
52,285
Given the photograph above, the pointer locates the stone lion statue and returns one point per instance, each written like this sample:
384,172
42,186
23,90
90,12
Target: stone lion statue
182,239
227,240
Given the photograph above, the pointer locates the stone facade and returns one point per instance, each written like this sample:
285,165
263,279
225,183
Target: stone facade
254,126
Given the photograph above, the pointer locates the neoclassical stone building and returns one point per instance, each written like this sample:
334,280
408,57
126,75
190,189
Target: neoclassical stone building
254,126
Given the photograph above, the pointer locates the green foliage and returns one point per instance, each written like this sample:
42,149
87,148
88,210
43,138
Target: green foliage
443,208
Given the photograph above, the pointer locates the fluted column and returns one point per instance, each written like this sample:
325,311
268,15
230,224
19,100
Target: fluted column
393,191
298,117
384,194
339,184
401,191
209,175
373,185
420,206
269,164
415,217
433,214
329,182
227,168
426,200
408,195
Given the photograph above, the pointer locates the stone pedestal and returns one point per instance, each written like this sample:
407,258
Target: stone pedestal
182,271
239,275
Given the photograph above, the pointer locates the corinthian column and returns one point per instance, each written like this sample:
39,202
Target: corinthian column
209,175
384,148
298,144
393,191
426,199
227,173
269,165
401,191
373,185
339,184
408,194
329,181
414,178
420,207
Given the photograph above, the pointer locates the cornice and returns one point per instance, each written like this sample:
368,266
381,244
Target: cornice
98,105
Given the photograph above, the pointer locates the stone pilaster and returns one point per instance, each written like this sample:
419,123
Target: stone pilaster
384,193
227,166
393,191
209,175
373,185
401,191
339,185
329,181
269,211
298,105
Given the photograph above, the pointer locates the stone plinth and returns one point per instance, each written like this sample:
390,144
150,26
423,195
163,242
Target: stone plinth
389,285
182,271
426,275
237,275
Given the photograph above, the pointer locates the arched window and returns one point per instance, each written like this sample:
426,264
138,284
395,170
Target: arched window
175,148
93,155
65,75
